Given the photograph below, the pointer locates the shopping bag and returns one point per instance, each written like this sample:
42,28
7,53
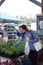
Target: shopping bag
27,49
38,46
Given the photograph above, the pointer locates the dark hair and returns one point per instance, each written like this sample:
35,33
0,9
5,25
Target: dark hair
24,27
27,30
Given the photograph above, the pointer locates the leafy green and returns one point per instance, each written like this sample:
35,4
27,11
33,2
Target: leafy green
6,47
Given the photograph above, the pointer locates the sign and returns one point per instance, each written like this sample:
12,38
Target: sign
40,24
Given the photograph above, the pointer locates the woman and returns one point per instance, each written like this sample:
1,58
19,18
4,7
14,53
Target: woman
27,35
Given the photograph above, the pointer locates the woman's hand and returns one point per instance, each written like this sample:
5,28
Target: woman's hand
12,46
27,39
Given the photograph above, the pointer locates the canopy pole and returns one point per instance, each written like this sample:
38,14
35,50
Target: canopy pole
42,6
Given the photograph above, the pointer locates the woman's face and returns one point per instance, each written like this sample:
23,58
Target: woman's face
22,30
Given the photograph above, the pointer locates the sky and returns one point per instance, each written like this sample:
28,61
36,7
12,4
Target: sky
20,8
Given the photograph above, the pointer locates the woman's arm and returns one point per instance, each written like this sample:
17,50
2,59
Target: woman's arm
27,36
19,41
27,39
36,38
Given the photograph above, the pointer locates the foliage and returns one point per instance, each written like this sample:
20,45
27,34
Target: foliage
9,27
26,20
6,47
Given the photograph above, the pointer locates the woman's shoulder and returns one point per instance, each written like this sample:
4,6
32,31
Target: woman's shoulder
27,34
33,32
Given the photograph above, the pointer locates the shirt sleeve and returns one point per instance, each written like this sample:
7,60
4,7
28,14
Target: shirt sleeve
19,41
36,38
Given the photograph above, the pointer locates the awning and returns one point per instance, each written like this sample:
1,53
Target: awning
6,17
